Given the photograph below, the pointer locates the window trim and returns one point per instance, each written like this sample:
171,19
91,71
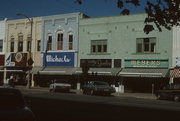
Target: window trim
60,42
95,44
140,42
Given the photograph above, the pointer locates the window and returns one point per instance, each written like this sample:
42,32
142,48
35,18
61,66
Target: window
60,41
117,63
38,45
20,46
49,43
29,44
98,46
20,43
146,45
1,45
12,47
70,42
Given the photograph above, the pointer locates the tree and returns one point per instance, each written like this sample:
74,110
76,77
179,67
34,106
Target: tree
163,13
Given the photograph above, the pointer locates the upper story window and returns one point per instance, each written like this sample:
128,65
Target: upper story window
12,45
70,42
98,46
20,46
38,45
49,42
146,45
29,44
1,45
20,43
60,41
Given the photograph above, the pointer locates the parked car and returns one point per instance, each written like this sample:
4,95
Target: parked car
169,92
98,87
13,106
61,86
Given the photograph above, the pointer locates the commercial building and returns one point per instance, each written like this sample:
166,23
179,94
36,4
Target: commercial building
117,50
60,42
2,48
22,45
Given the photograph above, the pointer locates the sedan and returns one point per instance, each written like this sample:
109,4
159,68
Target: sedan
98,87
13,106
61,86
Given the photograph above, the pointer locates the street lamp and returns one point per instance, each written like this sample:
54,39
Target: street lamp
30,61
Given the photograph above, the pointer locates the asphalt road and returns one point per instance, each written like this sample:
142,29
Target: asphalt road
75,107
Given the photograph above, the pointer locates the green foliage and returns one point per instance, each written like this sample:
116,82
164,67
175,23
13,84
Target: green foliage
163,13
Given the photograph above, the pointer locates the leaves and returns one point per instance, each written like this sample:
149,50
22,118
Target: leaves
78,1
161,13
120,4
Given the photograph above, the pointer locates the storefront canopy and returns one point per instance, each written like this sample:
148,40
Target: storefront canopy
4,69
57,71
100,71
127,72
175,73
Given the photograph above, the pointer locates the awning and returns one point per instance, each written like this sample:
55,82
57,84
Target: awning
35,70
57,71
127,72
100,71
11,71
175,73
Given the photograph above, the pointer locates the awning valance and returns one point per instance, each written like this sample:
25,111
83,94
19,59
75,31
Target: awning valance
175,73
57,71
127,72
100,71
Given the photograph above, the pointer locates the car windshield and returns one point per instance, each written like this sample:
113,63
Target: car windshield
11,100
100,83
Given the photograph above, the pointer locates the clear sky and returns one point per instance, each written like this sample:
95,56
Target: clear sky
37,8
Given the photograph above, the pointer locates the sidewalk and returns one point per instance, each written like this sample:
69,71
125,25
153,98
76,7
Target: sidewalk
133,95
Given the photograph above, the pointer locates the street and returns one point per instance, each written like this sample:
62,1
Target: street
70,107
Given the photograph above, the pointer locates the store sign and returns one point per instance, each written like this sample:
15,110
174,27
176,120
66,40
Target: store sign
16,59
65,59
96,63
147,63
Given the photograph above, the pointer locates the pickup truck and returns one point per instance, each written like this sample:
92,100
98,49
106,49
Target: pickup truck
170,92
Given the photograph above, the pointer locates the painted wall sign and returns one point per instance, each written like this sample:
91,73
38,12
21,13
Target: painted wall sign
63,59
16,59
97,63
147,63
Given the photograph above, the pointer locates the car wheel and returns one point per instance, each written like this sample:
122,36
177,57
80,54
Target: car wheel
176,98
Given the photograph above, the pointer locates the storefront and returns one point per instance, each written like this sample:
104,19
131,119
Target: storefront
1,68
15,66
56,66
100,70
145,75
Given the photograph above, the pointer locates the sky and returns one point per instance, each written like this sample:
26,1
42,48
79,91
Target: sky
38,8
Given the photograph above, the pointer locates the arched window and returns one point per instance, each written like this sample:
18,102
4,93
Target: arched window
49,42
20,42
70,41
12,44
59,40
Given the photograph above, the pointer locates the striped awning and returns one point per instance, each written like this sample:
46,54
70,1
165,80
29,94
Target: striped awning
175,73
